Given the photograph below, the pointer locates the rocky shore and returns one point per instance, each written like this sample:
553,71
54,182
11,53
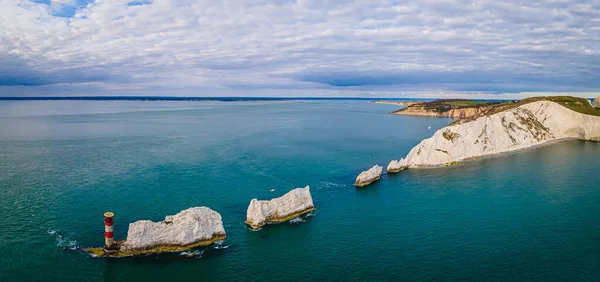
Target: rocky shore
289,206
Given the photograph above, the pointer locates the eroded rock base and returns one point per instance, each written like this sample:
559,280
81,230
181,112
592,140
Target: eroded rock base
280,220
118,252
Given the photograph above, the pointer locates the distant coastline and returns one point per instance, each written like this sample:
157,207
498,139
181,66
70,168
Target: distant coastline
389,101
398,103
206,99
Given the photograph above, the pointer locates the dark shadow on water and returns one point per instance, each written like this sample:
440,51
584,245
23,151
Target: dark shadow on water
279,231
203,253
371,189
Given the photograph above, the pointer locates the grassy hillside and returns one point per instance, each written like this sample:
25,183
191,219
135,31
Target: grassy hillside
444,105
467,103
580,105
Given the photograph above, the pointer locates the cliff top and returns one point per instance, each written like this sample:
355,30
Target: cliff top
580,105
577,104
444,105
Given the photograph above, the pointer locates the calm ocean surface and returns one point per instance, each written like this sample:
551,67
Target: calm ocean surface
532,215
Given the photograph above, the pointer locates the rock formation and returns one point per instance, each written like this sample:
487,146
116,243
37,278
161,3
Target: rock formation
190,228
451,113
518,128
284,208
452,108
369,176
597,102
396,166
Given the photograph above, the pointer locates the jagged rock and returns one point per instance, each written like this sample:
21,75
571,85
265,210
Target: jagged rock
519,128
190,228
396,166
367,177
597,102
284,208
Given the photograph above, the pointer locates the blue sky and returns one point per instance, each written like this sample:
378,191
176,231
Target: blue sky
299,47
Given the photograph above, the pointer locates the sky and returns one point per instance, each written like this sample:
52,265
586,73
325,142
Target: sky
346,48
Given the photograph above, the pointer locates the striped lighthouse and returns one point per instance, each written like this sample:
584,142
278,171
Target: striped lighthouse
108,229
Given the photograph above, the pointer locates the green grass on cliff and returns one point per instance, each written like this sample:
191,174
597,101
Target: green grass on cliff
467,103
444,105
580,105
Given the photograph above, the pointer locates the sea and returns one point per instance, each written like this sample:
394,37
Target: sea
529,215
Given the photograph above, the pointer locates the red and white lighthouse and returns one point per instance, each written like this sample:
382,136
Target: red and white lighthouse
108,230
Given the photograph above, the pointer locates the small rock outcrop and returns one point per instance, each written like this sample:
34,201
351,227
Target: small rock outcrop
597,102
291,205
194,227
396,166
369,176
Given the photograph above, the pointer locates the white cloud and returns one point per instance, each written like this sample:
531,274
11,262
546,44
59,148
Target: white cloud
313,46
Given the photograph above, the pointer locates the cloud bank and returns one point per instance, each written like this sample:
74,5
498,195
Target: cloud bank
297,47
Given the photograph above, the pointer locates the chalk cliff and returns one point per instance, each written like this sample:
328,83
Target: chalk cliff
190,228
597,102
518,128
369,176
451,113
291,205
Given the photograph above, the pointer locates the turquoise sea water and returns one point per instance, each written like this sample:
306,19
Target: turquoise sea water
530,215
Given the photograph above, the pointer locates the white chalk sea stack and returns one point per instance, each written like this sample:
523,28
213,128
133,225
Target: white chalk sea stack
369,176
396,166
291,205
526,126
189,228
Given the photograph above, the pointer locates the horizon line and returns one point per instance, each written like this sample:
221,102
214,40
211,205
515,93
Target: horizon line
220,98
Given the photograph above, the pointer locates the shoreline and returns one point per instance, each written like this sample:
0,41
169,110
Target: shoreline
544,144
403,113
397,103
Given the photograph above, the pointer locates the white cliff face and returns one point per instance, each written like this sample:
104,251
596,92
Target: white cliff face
286,207
597,102
189,227
369,176
519,128
396,166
